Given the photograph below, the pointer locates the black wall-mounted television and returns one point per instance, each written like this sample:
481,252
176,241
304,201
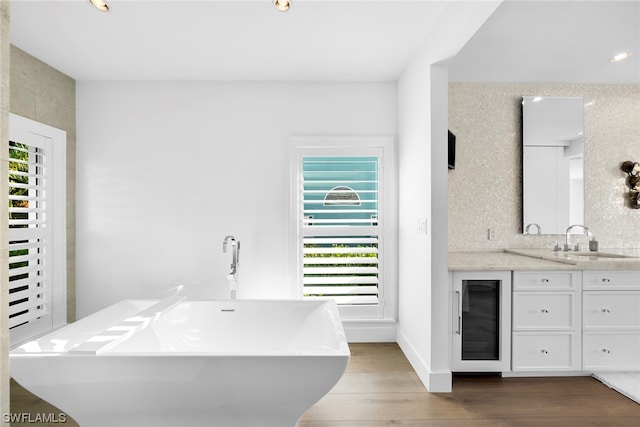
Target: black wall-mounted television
452,150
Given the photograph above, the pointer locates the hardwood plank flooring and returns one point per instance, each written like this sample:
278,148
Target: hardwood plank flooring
380,389
23,402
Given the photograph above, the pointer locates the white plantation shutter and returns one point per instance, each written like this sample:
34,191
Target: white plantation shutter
345,269
28,288
36,215
340,200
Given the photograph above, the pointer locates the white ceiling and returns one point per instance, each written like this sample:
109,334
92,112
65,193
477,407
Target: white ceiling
323,40
554,41
342,40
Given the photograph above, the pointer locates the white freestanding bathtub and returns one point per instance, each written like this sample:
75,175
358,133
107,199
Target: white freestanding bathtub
188,363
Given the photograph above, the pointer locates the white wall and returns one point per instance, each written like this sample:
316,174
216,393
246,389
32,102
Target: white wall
414,195
423,327
166,169
440,379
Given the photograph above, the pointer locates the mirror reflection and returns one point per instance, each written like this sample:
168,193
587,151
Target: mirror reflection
553,166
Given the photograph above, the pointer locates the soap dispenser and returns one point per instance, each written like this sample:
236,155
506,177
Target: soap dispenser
593,244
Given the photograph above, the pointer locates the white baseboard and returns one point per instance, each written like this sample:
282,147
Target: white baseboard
434,382
440,382
370,330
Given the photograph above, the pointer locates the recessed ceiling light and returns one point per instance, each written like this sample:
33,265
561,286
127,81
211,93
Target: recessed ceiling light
100,5
620,57
282,5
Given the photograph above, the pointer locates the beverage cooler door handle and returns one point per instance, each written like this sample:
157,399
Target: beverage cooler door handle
459,303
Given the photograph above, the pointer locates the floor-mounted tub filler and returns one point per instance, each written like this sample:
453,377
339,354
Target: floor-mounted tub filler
176,362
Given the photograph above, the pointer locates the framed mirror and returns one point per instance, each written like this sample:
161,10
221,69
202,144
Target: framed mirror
553,164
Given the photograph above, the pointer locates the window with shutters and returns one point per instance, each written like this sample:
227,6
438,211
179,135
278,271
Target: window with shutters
37,246
340,210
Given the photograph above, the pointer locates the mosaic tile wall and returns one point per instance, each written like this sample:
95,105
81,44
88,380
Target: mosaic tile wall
485,189
44,94
4,213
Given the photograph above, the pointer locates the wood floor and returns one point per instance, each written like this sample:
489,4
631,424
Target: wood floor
381,389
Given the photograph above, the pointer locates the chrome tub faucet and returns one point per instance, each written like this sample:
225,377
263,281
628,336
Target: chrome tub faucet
232,277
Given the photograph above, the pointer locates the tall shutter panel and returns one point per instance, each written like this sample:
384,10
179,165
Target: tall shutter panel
28,285
341,243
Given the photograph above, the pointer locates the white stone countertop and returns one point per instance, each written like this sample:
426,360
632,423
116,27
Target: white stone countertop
545,259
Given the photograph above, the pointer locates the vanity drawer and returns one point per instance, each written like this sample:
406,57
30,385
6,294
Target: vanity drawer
618,351
611,310
541,310
617,280
545,280
549,351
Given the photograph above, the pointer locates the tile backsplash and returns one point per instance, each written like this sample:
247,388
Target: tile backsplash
42,93
485,189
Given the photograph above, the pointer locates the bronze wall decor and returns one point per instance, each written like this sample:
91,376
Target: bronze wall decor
633,182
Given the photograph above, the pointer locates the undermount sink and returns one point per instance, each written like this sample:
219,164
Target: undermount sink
598,255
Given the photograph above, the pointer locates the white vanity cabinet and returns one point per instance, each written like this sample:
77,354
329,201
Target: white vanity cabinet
563,319
546,321
611,320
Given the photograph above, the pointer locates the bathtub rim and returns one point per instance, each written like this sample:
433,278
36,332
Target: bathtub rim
161,306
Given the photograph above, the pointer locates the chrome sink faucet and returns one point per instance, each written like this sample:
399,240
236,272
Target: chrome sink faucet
232,277
533,224
567,245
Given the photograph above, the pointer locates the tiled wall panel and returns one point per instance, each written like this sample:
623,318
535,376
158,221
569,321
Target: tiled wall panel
42,93
4,214
485,189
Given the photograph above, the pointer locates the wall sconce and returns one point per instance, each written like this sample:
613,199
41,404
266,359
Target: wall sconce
633,182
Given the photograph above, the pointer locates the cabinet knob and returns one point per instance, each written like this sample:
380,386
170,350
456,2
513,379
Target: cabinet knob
544,311
544,280
606,351
543,351
606,310
605,280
